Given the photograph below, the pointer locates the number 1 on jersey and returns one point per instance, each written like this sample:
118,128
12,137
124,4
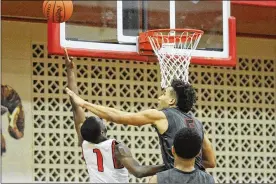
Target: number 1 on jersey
99,159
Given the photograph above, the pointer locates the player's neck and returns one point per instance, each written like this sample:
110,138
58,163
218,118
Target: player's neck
101,139
186,165
173,106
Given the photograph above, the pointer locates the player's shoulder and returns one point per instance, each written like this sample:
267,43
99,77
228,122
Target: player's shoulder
154,113
205,174
120,146
166,172
103,144
121,149
202,172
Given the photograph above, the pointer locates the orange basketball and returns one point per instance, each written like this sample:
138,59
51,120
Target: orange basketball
57,11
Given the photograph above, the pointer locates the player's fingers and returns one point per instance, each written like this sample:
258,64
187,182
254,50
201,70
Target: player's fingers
68,91
66,53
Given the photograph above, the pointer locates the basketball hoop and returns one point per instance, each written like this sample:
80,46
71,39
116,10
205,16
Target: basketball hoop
173,48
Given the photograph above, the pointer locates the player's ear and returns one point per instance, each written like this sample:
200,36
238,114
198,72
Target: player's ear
173,96
172,101
103,132
173,151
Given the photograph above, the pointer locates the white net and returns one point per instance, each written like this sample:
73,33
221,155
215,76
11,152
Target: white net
173,50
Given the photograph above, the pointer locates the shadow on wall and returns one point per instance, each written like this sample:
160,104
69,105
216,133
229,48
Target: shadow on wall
12,106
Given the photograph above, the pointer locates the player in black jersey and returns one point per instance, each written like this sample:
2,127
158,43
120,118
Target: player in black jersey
176,102
186,146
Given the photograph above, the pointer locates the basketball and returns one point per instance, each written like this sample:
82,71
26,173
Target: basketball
57,11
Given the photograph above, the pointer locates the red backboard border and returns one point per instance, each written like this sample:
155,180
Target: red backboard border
54,48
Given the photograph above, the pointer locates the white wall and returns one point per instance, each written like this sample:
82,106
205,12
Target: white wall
19,56
16,72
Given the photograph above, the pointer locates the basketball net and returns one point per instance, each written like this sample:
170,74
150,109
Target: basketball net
173,49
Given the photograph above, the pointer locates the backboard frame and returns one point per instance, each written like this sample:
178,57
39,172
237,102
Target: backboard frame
122,39
57,41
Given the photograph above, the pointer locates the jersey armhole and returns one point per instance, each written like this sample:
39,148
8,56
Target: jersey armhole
82,155
115,162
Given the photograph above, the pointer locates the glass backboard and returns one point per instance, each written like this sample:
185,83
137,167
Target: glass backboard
109,29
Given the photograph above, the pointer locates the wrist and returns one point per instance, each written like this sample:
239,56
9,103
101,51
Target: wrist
69,68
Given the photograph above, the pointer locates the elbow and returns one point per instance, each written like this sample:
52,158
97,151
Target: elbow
80,140
212,164
113,117
138,173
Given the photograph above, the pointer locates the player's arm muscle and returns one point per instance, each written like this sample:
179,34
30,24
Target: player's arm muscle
123,154
208,154
150,116
78,112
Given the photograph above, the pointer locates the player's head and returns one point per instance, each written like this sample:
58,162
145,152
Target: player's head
187,143
179,94
93,129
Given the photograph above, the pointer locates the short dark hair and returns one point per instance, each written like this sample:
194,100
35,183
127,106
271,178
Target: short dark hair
185,94
187,143
91,129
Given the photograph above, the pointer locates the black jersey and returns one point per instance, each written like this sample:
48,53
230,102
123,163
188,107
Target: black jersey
176,121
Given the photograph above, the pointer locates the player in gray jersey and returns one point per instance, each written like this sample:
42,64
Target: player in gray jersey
186,146
177,120
175,103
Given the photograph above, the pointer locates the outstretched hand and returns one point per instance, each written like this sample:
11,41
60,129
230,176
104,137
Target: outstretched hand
78,100
68,60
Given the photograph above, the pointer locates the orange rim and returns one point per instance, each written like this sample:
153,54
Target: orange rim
152,33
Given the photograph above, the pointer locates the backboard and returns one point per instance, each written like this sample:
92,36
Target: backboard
109,29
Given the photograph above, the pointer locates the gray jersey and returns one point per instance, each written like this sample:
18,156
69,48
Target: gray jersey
177,176
178,120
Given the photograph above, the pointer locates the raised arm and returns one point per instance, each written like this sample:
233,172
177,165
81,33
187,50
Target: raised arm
78,112
151,116
208,154
123,154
